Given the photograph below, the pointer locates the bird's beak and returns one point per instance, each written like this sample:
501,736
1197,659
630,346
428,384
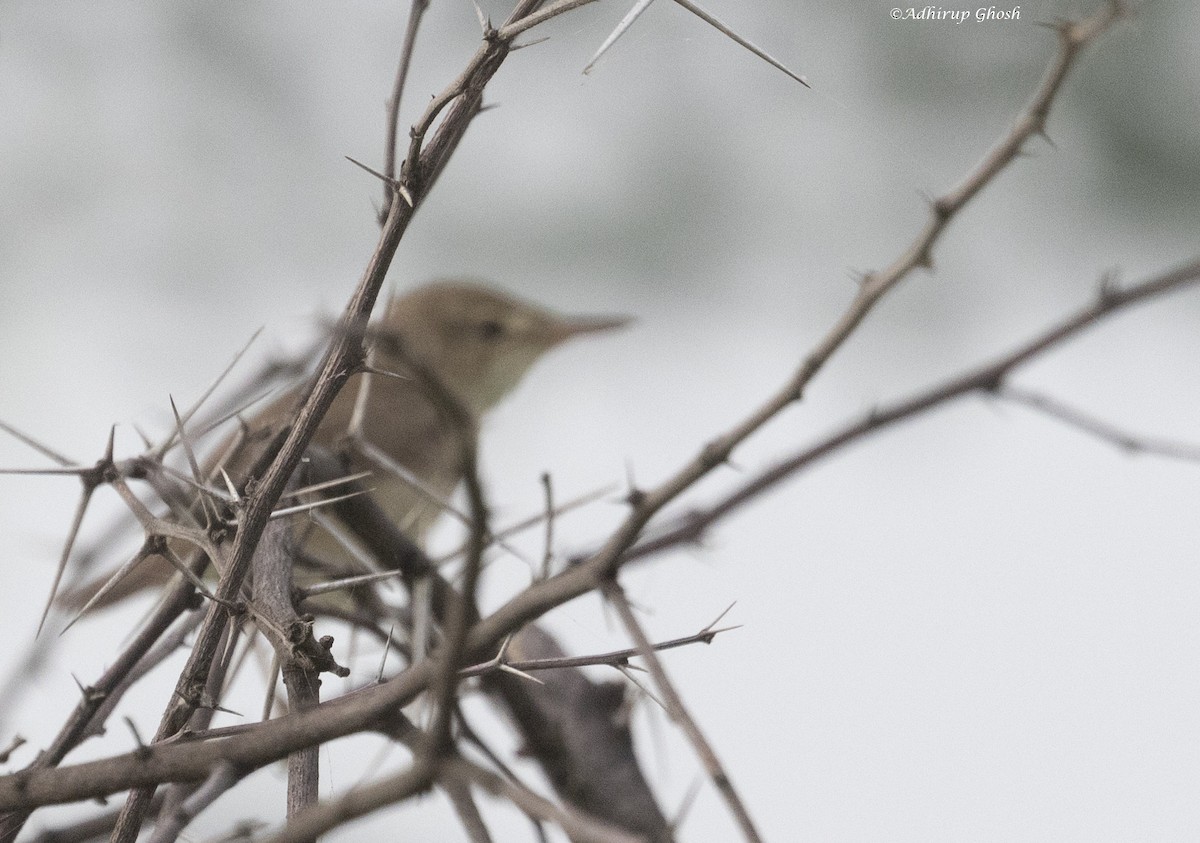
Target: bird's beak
567,327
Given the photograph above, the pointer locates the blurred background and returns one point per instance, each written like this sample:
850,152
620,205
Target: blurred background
980,625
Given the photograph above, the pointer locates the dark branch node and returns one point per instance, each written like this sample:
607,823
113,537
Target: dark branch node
994,384
714,454
1109,290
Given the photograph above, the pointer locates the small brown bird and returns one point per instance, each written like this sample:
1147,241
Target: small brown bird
476,340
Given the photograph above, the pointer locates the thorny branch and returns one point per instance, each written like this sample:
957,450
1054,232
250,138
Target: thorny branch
344,356
616,658
988,379
187,760
174,758
415,12
679,713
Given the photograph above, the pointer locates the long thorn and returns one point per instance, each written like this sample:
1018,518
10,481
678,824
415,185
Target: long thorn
375,173
626,22
66,554
195,408
111,583
758,51
36,445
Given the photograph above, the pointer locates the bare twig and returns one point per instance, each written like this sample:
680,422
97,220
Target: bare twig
987,379
459,793
679,714
645,504
91,479
340,361
415,11
612,659
344,356
44,450
301,657
627,21
159,453
193,463
1131,442
548,554
578,826
97,699
263,743
303,687
526,22
505,533
86,830
463,611
325,816
13,745
1073,37
222,778
152,546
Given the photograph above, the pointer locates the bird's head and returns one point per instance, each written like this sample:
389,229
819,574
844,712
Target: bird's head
478,340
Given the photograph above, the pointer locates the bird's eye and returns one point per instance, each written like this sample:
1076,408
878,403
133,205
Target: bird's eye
491,329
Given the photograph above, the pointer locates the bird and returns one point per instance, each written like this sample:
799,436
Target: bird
474,340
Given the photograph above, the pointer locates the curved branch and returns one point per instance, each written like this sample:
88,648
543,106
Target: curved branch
988,378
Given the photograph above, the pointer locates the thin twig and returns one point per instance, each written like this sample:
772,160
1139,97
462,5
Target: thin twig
470,735
415,11
1073,37
325,816
548,554
266,741
463,611
679,714
91,479
44,450
460,796
987,379
159,453
505,533
511,30
1134,443
339,363
85,830
578,826
221,779
612,659
345,354
262,743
